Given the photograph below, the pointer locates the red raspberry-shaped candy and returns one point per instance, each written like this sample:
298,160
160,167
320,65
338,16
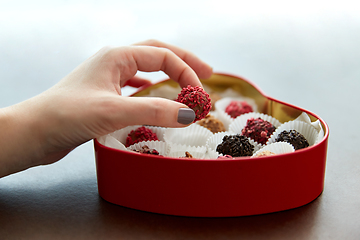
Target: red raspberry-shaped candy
258,129
140,134
236,108
196,99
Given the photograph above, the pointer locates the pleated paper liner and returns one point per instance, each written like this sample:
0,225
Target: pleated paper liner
305,129
240,122
221,105
276,148
217,138
111,142
123,133
317,125
162,147
193,135
179,150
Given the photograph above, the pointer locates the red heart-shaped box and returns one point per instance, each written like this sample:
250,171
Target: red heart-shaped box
221,188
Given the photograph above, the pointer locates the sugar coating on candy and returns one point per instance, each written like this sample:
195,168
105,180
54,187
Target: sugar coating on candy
140,134
235,146
258,129
145,149
212,123
196,99
237,108
294,138
264,153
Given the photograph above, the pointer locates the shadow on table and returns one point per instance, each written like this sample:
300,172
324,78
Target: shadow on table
75,210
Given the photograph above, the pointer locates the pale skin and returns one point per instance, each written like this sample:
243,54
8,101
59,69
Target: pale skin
87,104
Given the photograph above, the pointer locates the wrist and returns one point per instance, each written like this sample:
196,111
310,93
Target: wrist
20,142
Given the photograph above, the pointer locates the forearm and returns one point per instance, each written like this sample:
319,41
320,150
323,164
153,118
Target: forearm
20,141
87,104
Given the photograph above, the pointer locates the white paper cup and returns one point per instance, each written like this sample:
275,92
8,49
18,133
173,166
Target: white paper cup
229,92
222,104
101,139
123,133
193,135
178,151
159,131
224,118
112,142
240,122
211,154
305,129
215,140
317,125
211,118
162,147
276,148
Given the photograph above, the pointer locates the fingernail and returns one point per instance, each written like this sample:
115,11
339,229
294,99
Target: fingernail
186,116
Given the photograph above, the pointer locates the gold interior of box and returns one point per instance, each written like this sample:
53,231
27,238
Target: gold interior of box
219,83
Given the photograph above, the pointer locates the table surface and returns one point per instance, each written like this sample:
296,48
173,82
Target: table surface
307,55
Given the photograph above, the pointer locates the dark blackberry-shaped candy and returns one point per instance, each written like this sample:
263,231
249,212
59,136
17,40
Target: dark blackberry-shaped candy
235,146
294,138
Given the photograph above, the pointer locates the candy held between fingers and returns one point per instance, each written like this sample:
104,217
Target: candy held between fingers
196,99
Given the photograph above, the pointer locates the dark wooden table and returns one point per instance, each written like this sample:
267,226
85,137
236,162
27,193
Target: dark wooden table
309,59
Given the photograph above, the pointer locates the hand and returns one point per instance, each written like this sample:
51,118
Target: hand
87,104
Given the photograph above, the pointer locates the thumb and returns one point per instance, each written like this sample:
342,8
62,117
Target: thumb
153,111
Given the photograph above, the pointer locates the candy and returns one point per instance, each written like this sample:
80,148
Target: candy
294,138
237,108
212,123
235,146
196,99
139,135
258,129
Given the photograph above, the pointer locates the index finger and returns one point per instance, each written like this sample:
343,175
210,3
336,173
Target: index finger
150,59
202,69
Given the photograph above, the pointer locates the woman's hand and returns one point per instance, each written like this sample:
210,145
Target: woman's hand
87,104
